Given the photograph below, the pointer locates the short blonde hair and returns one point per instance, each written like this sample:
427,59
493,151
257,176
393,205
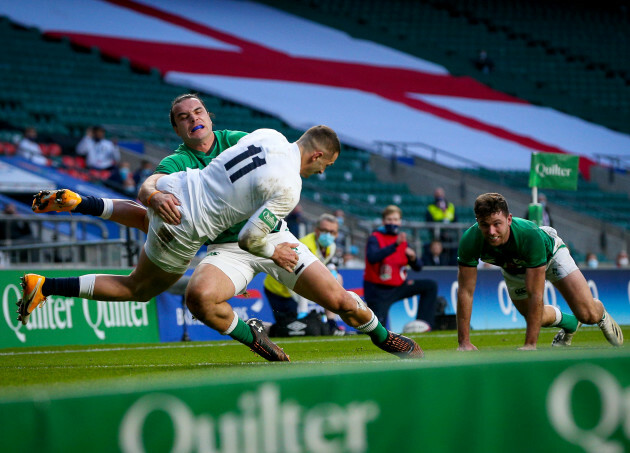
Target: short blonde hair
391,209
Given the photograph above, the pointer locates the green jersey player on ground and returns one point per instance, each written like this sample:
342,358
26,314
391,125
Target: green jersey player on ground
526,254
227,269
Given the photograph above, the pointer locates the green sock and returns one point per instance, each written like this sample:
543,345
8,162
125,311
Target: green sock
243,333
379,334
568,322
375,330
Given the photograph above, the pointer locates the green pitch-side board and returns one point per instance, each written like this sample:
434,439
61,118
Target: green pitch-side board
74,320
540,403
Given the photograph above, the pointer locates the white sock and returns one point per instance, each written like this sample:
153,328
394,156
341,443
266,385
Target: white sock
108,208
86,285
232,325
558,316
369,326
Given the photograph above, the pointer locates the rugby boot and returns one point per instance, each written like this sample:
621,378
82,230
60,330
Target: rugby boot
611,330
564,337
401,346
55,200
32,296
262,345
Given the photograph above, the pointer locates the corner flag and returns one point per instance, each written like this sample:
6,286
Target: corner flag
554,171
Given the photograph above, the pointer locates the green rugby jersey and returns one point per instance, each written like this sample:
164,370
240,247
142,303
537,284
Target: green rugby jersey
527,246
184,158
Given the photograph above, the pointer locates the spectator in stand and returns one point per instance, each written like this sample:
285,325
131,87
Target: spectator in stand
141,174
546,216
122,180
483,62
622,259
443,211
434,255
385,279
591,260
101,153
28,148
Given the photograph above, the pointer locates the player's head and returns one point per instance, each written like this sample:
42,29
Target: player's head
320,148
190,118
391,215
493,218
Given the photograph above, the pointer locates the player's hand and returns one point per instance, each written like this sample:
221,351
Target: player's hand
165,205
468,346
285,256
402,237
528,347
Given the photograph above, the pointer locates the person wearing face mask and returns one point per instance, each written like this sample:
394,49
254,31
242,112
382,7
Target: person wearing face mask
288,305
385,281
591,261
622,259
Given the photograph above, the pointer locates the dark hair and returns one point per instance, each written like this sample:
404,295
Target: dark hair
490,203
183,97
322,138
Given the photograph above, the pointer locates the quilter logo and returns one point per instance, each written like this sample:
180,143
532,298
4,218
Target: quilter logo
69,313
269,218
610,408
264,423
552,170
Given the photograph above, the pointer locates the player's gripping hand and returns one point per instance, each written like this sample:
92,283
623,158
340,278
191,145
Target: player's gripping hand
467,347
165,205
285,256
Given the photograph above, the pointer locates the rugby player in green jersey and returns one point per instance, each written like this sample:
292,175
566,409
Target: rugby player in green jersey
527,255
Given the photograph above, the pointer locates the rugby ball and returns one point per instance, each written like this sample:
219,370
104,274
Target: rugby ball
416,326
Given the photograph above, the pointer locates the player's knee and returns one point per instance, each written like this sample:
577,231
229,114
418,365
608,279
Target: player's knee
199,300
343,303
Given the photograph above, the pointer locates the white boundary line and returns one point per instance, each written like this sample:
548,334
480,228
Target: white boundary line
235,343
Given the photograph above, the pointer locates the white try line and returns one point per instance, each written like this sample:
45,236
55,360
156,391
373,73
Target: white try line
235,343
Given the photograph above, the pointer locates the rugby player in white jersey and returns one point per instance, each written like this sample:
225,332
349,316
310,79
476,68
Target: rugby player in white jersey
258,179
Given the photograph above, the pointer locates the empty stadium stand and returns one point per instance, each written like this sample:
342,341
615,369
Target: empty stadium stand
566,55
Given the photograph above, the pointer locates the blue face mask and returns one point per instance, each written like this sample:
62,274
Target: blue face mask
389,228
326,240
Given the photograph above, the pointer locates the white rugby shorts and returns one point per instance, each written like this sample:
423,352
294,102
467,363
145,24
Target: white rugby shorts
559,266
171,247
241,266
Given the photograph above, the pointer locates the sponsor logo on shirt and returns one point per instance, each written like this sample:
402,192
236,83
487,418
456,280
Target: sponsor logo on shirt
269,218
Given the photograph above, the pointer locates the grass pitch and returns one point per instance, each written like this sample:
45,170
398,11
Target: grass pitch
82,369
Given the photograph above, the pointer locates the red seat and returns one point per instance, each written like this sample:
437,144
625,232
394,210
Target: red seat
80,161
8,149
54,149
68,161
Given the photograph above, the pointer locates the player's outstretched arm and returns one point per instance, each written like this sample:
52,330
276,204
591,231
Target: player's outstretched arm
164,204
535,286
467,280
